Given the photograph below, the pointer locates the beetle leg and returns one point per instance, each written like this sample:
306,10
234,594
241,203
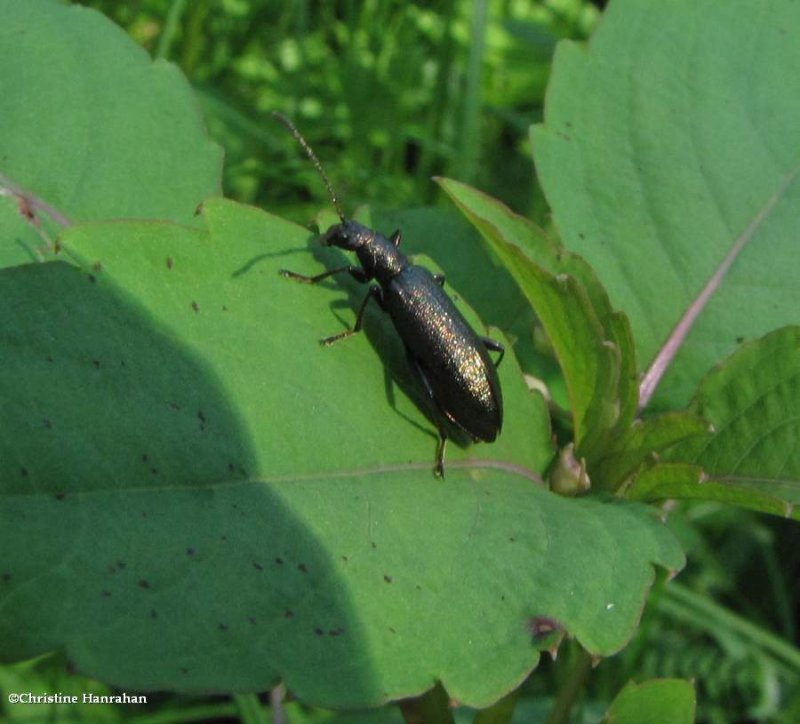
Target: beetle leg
374,291
495,347
438,467
395,238
439,279
356,272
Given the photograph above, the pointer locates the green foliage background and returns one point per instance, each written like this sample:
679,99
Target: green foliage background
388,93
349,74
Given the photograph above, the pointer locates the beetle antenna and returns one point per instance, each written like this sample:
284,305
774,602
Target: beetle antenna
313,157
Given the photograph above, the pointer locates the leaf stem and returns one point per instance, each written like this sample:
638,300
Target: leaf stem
685,604
433,707
501,712
9,188
170,26
571,688
250,709
471,112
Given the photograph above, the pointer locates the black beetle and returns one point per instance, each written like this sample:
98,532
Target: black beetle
449,357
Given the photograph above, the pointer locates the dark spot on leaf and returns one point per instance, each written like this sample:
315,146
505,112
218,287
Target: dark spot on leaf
581,235
169,262
512,539
345,559
190,551
47,423
153,613
319,631
224,538
106,594
92,278
288,613
144,514
184,670
258,566
121,565
541,626
144,458
386,578
25,209
23,472
231,467
174,406
502,598
96,363
418,587
97,266
122,363
49,358
195,306
6,577
302,567
392,630
251,620
144,583
224,308
568,124
374,544
279,561
336,631
154,471
222,626
60,496
739,340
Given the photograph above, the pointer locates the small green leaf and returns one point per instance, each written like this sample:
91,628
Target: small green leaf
750,457
642,440
658,701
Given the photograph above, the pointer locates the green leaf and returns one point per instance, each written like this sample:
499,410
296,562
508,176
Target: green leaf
669,151
644,439
90,127
189,478
750,457
658,701
590,340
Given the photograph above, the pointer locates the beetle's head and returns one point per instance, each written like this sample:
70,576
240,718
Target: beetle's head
349,235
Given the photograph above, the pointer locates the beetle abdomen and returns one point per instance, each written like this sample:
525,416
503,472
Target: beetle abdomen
454,360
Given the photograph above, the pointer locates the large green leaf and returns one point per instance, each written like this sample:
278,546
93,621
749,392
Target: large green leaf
91,127
197,496
750,455
669,151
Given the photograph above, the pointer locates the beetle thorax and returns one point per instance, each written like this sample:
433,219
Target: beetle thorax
379,257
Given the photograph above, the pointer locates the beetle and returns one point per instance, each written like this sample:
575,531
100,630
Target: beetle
448,357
